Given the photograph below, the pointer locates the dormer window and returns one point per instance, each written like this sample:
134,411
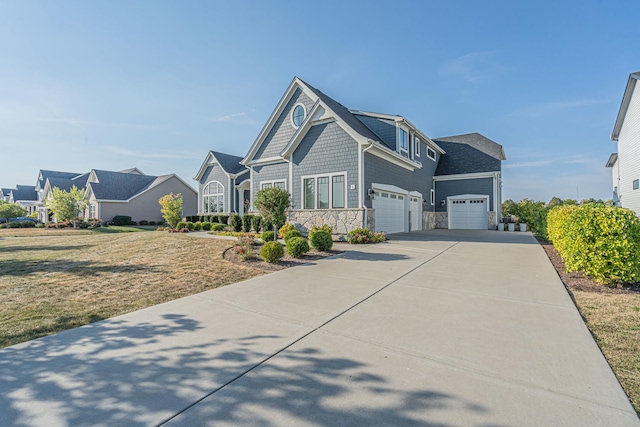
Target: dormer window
403,140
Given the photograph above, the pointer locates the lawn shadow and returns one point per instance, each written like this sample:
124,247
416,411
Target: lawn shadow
371,256
43,248
20,268
118,372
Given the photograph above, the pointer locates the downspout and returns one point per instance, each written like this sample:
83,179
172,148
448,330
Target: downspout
364,205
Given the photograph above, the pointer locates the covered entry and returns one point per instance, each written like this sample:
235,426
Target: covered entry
468,212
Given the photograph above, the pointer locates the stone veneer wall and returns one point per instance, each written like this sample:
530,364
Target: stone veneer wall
341,220
493,220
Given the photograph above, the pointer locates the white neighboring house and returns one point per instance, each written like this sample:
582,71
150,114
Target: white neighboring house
625,164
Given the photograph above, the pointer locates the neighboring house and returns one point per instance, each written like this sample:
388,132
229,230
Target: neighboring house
223,184
25,196
43,175
350,168
625,164
134,194
6,193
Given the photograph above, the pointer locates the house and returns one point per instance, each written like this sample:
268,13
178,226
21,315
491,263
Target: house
25,196
6,193
43,175
625,163
352,168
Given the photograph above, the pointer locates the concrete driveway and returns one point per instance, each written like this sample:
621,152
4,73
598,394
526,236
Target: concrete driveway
441,328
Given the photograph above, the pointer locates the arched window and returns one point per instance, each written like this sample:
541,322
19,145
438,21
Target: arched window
213,197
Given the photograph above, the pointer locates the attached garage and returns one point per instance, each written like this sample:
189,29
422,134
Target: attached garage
468,212
390,211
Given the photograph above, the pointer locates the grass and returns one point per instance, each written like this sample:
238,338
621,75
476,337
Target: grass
69,280
39,232
614,321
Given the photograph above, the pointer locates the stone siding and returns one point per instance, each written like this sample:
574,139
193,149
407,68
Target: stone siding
341,220
493,220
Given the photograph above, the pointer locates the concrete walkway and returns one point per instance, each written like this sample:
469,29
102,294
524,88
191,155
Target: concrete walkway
440,328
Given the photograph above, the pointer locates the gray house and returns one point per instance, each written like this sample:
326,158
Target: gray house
351,168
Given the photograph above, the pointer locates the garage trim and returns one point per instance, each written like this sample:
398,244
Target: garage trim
450,200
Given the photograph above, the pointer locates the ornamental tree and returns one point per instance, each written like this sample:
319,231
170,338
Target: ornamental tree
171,208
11,210
67,205
272,204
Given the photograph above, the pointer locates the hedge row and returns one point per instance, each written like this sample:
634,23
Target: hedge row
601,241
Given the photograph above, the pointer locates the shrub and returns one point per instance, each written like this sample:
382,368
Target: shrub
217,227
266,225
151,223
245,247
206,226
256,222
235,221
246,223
160,229
180,225
197,226
364,235
184,230
144,222
321,240
213,218
601,241
290,234
272,204
189,225
121,220
297,246
315,229
272,252
268,236
285,229
223,219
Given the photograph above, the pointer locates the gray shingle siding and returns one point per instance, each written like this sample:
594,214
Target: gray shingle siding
326,148
215,173
282,130
385,129
445,189
270,172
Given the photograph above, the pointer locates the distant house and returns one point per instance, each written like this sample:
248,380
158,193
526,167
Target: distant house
6,193
351,168
43,175
25,196
625,163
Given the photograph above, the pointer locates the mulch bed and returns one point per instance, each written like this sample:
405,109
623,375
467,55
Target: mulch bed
286,262
578,281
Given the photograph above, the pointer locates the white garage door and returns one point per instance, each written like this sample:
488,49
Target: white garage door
469,214
389,211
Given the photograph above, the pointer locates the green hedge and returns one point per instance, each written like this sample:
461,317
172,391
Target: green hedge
297,246
272,252
601,241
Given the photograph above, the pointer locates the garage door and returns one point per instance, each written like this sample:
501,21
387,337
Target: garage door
470,214
389,211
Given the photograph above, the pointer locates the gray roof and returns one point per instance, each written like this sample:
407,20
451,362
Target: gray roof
25,192
66,184
118,185
230,163
46,174
345,114
469,153
6,191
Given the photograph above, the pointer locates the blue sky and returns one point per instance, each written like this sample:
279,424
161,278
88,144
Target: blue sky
156,84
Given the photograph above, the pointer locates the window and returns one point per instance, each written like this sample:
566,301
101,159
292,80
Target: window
213,197
417,147
403,139
92,211
272,184
324,192
431,154
635,184
432,197
298,114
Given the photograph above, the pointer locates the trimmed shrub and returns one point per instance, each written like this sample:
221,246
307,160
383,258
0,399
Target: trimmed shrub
181,225
197,226
213,218
184,230
291,234
285,229
601,241
206,226
297,246
235,221
268,236
266,225
152,223
246,223
364,235
122,220
217,227
256,222
190,225
144,222
321,240
314,229
272,252
223,219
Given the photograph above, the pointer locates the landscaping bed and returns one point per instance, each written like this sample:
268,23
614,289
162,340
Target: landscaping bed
612,314
287,261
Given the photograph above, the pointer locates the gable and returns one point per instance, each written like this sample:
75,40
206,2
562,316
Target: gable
283,129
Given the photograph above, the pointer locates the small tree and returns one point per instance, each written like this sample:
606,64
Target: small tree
272,204
67,205
171,208
11,210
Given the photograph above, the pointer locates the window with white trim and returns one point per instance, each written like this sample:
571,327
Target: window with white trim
403,140
432,196
324,191
431,154
297,115
416,143
271,184
92,211
213,197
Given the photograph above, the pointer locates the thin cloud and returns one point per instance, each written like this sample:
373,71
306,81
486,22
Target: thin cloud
552,107
80,123
471,67
139,155
528,164
236,118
